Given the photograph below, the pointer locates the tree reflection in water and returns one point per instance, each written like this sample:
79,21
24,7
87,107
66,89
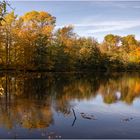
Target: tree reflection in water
28,99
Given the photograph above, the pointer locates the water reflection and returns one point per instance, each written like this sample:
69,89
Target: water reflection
29,100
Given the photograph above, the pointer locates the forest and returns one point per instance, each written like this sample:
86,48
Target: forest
32,43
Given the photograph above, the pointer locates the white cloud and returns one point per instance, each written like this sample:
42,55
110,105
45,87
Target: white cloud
136,7
105,26
114,26
121,4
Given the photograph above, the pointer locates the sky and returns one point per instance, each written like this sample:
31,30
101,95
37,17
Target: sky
89,18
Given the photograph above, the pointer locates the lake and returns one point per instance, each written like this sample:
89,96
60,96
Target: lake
69,105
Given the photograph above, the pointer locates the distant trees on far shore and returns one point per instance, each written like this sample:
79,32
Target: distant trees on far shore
31,42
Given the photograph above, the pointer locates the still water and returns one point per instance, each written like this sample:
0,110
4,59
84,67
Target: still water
66,105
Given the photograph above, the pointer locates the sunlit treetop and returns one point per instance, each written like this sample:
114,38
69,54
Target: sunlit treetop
41,17
2,9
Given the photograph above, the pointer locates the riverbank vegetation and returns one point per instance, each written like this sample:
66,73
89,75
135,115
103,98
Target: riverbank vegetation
31,42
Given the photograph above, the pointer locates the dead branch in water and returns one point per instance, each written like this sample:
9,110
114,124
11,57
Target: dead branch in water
74,117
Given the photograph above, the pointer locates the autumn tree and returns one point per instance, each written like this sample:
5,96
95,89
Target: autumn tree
89,53
7,27
66,48
3,10
112,41
129,42
2,14
35,31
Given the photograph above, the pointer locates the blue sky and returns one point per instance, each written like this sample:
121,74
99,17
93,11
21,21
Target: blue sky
90,18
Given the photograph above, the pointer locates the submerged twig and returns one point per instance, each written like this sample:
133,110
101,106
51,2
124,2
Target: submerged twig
74,117
89,117
127,119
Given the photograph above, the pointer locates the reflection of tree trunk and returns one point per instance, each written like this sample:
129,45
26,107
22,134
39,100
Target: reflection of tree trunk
7,94
15,84
9,90
24,61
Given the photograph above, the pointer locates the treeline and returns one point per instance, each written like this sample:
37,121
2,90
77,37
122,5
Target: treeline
31,42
